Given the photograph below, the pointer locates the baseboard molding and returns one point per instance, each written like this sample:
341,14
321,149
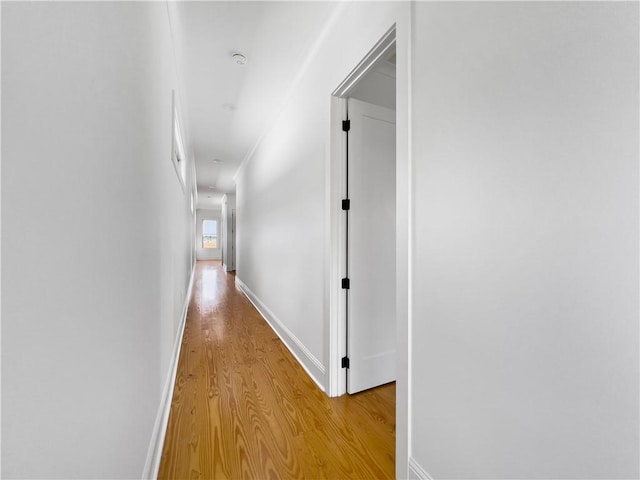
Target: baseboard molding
305,358
416,472
152,464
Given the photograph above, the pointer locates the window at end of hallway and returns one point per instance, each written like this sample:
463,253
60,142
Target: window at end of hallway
209,234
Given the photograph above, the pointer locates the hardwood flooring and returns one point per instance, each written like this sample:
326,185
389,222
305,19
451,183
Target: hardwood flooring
244,408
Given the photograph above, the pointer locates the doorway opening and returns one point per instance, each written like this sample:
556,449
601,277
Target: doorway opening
363,225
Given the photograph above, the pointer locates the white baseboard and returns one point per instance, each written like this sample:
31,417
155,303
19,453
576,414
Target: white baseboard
305,358
416,472
154,454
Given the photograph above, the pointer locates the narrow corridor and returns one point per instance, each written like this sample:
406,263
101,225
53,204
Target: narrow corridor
244,408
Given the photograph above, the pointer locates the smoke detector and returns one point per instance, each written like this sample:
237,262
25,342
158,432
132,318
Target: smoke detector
239,59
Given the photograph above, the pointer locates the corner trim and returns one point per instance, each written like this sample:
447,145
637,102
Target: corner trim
154,454
416,472
305,358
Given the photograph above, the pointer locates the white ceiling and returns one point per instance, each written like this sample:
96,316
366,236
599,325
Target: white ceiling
227,107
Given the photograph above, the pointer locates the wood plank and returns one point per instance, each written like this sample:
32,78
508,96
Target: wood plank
244,408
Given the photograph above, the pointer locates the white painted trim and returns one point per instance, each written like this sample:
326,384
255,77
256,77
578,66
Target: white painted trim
404,241
154,454
416,471
336,344
0,255
367,63
311,364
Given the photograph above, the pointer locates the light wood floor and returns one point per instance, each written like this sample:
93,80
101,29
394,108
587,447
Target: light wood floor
244,408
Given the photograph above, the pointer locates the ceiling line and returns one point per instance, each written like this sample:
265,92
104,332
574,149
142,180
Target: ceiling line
313,51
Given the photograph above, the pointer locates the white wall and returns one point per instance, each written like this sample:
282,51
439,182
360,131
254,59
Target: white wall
208,253
97,236
522,200
525,293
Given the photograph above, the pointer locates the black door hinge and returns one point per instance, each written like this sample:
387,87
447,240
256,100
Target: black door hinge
345,362
346,125
345,283
346,204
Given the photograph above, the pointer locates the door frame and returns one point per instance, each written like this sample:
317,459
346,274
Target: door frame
404,241
336,381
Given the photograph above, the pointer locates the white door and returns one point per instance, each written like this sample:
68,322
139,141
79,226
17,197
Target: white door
371,310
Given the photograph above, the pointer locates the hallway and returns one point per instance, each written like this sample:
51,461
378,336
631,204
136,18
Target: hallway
244,408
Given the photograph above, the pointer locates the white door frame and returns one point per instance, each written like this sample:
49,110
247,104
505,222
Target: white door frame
336,378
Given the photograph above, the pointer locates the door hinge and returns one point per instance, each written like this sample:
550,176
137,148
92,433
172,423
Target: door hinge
346,125
345,362
346,204
346,284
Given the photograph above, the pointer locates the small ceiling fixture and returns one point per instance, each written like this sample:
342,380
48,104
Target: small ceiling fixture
239,59
216,160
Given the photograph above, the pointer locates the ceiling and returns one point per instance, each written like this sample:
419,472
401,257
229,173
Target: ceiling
227,107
